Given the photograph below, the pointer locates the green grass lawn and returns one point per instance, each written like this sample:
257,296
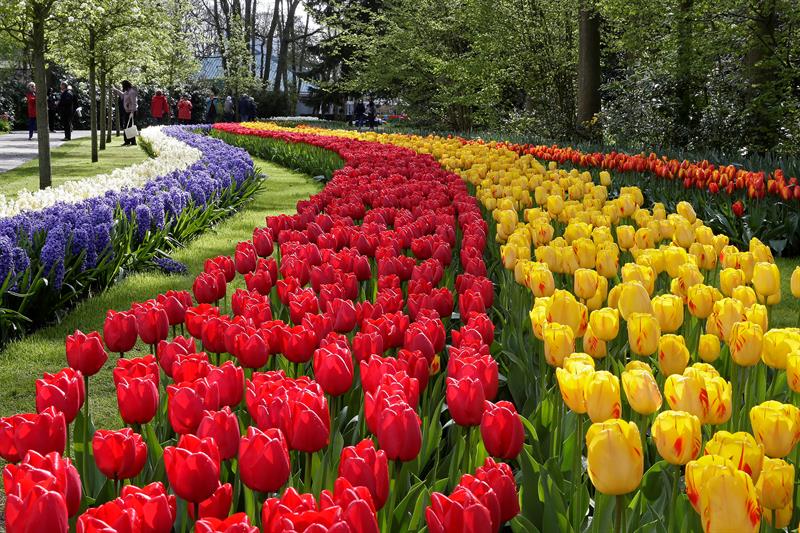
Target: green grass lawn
71,161
43,351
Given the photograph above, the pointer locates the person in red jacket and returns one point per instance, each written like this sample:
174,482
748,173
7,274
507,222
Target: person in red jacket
30,99
159,108
184,110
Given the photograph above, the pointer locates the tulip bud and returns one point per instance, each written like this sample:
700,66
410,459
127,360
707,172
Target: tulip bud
677,436
641,390
602,396
745,342
708,348
740,448
633,298
572,385
700,300
614,455
766,279
643,333
605,323
795,282
776,427
558,343
668,309
687,393
673,356
775,485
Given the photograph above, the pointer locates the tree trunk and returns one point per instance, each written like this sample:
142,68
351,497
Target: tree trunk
110,117
103,107
40,78
283,54
588,67
273,25
93,94
764,94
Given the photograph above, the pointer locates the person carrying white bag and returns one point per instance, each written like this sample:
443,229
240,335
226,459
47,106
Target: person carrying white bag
130,104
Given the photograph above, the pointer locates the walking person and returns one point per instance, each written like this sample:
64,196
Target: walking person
371,114
30,99
228,109
244,108
185,110
360,111
212,108
130,105
159,108
66,109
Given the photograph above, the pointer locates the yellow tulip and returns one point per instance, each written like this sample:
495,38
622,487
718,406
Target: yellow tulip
578,359
683,235
577,230
586,252
555,204
766,279
641,389
598,300
668,309
700,471
605,323
614,456
709,348
594,346
687,393
626,204
745,294
509,256
745,343
643,274
565,309
633,298
572,385
686,210
625,236
739,448
540,280
674,258
795,282
602,396
761,251
727,312
793,371
585,283
776,427
643,333
701,369
645,238
778,344
673,356
728,503
746,262
719,393
541,233
677,436
704,235
776,484
559,342
757,314
729,279
720,242
605,178
781,517
700,300
607,262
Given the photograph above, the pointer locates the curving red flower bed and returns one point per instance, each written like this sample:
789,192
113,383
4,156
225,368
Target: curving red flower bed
313,396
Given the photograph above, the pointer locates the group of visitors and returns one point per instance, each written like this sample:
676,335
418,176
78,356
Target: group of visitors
61,106
365,115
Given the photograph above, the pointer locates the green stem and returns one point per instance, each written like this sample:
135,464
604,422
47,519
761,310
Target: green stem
85,472
619,520
577,472
673,502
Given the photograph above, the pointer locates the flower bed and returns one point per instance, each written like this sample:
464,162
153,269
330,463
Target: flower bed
337,342
53,256
648,326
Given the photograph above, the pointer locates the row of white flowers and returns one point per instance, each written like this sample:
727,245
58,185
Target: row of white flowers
296,119
171,154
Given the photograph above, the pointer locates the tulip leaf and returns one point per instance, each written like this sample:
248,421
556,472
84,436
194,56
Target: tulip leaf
520,524
532,507
401,508
656,481
603,516
417,517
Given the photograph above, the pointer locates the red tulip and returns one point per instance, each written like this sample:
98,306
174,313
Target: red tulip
222,263
416,366
486,495
259,281
358,510
193,468
245,257
187,401
302,302
333,366
500,477
367,344
218,505
63,477
501,430
461,512
112,516
167,351
229,378
208,286
465,399
304,419
417,338
344,315
299,512
152,323
190,367
471,303
264,460
738,208
481,367
299,343
44,433
374,368
119,454
120,331
399,433
137,399
33,508
262,240
85,352
154,507
139,367
213,334
63,390
364,466
223,427
252,351
237,523
175,303
285,287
